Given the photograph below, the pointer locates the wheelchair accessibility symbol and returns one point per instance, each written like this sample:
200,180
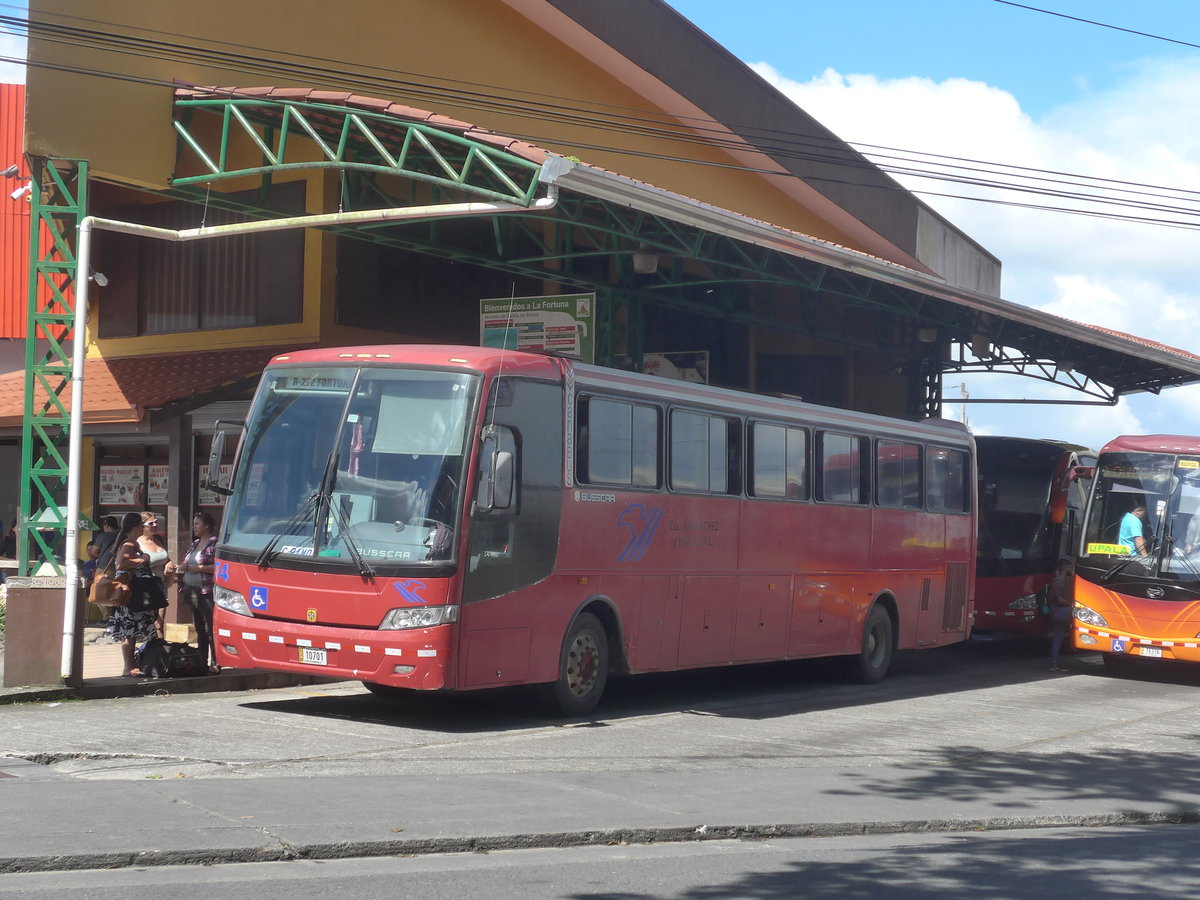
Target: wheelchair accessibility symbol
258,598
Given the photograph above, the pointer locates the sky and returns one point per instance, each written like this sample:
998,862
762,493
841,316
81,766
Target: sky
993,81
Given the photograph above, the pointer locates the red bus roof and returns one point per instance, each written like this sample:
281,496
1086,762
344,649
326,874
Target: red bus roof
1153,443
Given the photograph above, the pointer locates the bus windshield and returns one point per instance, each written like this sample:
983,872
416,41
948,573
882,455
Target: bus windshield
1016,535
355,466
1144,519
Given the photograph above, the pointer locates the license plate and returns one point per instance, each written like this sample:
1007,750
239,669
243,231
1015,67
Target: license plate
315,656
1150,651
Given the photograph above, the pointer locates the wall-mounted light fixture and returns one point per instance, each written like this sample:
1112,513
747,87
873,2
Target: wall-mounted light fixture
99,278
645,261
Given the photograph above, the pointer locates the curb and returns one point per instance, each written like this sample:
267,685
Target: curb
283,852
112,688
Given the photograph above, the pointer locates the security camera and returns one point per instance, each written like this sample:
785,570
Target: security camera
21,191
10,171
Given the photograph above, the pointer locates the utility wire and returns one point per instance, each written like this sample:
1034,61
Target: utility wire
600,117
1050,12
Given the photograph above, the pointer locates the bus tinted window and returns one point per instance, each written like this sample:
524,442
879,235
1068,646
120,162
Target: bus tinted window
779,456
645,446
699,452
841,478
619,442
898,474
946,473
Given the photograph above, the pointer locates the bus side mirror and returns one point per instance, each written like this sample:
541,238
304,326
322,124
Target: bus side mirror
212,477
496,482
1088,472
215,455
502,479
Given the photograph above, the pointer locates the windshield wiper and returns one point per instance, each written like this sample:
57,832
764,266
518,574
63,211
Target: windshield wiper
269,552
1134,555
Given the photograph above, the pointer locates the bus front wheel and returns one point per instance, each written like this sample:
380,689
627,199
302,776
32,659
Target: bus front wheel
875,658
582,669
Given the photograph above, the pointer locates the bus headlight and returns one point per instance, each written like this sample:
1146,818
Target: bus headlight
231,601
1029,601
418,617
1089,616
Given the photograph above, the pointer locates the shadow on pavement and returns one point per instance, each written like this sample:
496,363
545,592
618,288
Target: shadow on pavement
758,692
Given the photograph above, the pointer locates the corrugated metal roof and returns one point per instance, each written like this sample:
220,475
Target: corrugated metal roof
122,391
14,215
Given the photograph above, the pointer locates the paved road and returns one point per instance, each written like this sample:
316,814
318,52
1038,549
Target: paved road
957,740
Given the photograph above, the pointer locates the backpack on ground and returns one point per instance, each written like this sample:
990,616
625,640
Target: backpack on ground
159,659
184,660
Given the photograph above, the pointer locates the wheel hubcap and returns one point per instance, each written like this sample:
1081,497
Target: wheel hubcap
582,664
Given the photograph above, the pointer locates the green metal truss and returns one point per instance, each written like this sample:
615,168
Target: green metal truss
583,239
59,202
348,139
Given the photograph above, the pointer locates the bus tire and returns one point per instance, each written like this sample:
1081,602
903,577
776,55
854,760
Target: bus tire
582,669
875,658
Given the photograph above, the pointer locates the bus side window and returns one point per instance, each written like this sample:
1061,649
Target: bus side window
701,454
618,443
898,474
946,483
843,476
778,461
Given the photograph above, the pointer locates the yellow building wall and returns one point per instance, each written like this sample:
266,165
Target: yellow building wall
466,58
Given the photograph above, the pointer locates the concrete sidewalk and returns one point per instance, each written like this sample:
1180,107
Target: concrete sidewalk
102,677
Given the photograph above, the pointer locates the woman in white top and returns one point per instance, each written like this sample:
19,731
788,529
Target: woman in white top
151,543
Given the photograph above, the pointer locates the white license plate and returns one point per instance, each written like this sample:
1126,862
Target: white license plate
315,656
1150,651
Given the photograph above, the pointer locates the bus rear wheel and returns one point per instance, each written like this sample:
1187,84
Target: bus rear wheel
582,669
875,658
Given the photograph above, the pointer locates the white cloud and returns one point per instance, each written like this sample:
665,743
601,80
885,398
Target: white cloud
1136,278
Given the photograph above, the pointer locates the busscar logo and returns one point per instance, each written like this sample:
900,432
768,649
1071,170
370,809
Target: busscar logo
410,590
642,522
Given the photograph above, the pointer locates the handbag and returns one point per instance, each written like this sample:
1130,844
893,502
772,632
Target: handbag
110,589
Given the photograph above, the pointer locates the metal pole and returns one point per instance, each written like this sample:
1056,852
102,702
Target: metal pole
83,281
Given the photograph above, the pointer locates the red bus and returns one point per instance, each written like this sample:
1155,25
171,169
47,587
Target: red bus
1031,503
457,518
1137,583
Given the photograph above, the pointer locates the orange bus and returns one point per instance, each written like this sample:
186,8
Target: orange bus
459,518
1137,588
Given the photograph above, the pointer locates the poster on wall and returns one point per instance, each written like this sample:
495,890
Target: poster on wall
158,480
206,497
122,486
682,365
563,325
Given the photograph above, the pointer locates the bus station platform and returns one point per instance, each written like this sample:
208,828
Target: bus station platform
102,677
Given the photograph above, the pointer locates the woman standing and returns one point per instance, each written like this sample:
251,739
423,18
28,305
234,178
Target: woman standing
151,543
123,625
196,580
